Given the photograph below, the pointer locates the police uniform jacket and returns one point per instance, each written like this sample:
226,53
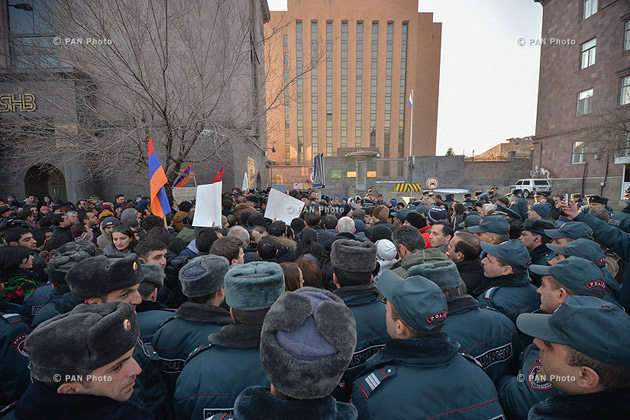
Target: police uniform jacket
421,378
519,393
216,373
149,391
37,299
511,295
150,316
541,255
369,314
621,219
520,206
61,302
176,339
256,402
14,373
485,334
610,404
618,242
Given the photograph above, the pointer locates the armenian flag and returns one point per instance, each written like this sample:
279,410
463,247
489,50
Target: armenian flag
157,179
184,177
219,176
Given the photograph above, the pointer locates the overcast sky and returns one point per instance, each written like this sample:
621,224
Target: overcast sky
488,81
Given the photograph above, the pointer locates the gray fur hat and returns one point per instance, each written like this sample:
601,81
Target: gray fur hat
203,275
353,256
61,263
307,341
129,217
97,276
80,341
153,274
253,286
77,246
442,273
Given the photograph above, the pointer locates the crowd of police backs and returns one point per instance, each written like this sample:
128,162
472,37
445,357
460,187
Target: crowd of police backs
486,308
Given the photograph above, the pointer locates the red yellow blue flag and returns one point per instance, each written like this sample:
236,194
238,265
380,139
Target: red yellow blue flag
219,175
184,177
157,179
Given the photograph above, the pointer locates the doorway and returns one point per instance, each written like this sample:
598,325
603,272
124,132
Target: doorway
45,179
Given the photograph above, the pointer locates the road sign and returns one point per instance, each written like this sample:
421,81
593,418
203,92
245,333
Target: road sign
432,183
311,177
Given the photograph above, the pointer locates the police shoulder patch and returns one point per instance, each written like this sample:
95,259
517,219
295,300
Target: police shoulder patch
372,381
12,318
536,379
18,344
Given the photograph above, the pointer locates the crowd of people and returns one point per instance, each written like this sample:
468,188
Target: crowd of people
361,308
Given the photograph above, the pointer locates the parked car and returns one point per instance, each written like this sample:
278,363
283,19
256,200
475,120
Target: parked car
531,185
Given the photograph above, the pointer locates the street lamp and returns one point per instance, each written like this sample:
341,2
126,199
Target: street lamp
270,166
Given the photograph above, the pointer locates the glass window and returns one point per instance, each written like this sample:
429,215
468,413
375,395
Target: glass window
590,8
584,102
625,91
626,36
587,56
32,25
579,152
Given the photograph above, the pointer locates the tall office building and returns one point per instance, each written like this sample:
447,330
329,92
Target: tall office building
348,69
581,140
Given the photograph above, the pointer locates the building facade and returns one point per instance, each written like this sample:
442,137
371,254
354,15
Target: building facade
342,76
40,87
584,96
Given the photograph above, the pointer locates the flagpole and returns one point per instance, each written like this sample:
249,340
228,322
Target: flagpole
411,128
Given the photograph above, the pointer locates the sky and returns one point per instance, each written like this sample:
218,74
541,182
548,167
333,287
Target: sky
488,80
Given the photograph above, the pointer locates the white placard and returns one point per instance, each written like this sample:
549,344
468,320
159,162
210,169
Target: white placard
283,207
245,185
208,206
184,194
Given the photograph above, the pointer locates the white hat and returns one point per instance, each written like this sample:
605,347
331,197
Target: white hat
385,249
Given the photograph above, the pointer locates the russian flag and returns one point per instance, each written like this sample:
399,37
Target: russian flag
410,103
157,179
219,175
184,177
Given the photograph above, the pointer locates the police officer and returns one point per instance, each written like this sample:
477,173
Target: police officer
483,333
14,374
589,250
202,283
100,280
534,238
572,276
613,238
420,373
491,229
569,232
60,299
354,263
307,341
82,366
151,313
622,219
518,203
589,367
507,287
217,372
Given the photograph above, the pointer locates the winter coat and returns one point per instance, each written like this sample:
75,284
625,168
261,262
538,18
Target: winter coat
14,372
423,256
216,373
511,295
421,378
257,402
519,393
37,299
541,255
471,272
485,334
61,302
610,404
287,249
150,316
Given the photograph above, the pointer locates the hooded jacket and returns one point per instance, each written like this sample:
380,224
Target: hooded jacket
423,256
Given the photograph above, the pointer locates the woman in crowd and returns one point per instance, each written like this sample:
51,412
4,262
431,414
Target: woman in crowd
19,280
293,278
123,242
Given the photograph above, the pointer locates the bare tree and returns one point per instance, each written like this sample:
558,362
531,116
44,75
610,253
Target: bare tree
608,134
188,73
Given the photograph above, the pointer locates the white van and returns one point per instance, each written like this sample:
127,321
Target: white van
531,185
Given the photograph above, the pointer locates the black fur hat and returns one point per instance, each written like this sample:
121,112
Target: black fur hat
307,341
98,276
80,341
